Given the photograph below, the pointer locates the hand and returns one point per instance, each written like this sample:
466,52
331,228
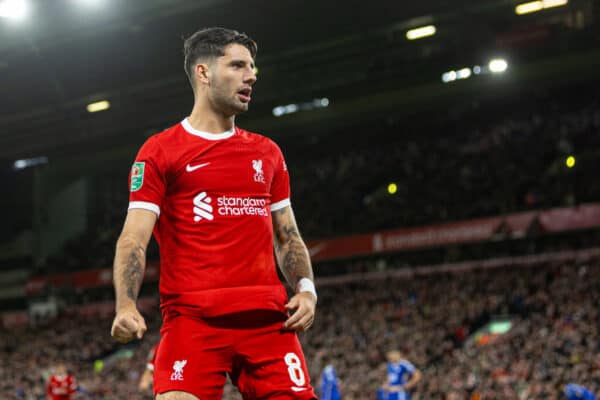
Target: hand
303,307
128,325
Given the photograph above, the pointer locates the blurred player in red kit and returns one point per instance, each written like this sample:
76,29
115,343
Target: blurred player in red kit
217,198
61,385
148,374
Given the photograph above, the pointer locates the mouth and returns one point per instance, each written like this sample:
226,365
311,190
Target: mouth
244,94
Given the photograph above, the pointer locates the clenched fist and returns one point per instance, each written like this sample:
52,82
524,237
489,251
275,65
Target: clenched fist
128,325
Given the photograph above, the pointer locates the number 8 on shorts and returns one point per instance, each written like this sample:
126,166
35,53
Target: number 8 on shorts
295,369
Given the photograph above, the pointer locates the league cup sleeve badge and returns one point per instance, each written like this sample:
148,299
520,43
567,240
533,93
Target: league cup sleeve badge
137,176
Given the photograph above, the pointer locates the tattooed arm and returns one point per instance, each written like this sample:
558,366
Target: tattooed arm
128,274
294,262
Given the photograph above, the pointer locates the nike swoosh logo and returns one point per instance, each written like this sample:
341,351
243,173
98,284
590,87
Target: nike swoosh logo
189,168
298,389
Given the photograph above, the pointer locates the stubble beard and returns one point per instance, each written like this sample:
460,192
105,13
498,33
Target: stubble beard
224,103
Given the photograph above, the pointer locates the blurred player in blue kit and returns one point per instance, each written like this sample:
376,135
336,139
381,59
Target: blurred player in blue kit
330,389
578,392
402,377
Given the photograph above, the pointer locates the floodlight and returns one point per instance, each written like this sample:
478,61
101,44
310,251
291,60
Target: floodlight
13,9
421,32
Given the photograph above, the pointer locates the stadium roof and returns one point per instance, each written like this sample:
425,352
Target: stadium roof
68,53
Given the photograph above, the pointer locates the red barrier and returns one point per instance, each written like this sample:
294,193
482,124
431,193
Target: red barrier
15,319
404,239
585,216
84,279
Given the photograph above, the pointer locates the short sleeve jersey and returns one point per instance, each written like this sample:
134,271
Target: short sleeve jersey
61,387
400,373
213,194
329,384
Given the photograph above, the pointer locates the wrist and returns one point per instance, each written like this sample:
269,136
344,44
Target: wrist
306,285
125,305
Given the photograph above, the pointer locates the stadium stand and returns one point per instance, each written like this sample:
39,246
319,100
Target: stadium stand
530,139
434,318
519,323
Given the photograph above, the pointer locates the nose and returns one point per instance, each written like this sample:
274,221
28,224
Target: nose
250,76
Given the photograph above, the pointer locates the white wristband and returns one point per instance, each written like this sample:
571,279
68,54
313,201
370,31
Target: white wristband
306,285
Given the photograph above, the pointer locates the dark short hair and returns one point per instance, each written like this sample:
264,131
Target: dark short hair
210,43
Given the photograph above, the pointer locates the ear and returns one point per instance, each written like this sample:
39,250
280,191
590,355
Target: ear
202,74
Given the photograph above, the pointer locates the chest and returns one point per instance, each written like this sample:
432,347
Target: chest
236,168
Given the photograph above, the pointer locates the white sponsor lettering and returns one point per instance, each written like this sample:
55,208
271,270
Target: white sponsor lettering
228,206
238,206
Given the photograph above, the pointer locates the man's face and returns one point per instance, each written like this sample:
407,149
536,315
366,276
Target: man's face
231,79
61,369
394,356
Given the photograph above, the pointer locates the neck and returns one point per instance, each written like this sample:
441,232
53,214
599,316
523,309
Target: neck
206,119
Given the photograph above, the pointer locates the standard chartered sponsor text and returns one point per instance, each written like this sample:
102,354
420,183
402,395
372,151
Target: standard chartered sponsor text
238,206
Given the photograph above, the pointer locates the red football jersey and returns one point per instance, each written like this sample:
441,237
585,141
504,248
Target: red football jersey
214,194
61,387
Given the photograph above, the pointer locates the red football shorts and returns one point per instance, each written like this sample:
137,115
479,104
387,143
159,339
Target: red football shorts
264,362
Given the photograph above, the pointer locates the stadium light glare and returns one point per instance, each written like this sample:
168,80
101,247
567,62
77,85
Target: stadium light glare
291,108
555,3
89,2
530,7
498,65
570,162
279,111
463,73
392,188
421,32
30,162
305,106
13,9
535,6
98,106
449,76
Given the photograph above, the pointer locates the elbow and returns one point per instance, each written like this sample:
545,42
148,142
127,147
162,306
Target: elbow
418,376
128,241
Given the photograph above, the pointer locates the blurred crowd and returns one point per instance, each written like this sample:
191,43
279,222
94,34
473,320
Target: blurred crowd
554,309
490,159
554,339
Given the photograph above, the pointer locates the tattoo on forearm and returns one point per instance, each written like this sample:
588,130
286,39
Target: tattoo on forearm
134,273
296,262
292,253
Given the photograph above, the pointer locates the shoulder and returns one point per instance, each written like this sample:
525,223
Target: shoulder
259,139
159,148
164,137
407,365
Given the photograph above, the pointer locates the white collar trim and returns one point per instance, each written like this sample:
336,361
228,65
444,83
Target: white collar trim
207,135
